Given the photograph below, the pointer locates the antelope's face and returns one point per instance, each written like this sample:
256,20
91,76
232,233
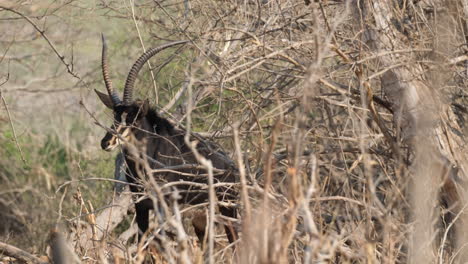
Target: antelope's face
120,130
129,122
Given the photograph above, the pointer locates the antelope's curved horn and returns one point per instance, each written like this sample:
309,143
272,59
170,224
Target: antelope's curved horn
105,74
132,75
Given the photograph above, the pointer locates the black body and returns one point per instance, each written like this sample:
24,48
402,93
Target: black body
166,148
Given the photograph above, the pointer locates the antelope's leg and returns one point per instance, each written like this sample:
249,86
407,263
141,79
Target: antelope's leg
231,233
199,223
142,216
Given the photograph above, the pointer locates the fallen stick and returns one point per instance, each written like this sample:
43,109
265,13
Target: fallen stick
19,254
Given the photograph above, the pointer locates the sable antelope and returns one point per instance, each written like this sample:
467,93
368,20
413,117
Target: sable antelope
145,136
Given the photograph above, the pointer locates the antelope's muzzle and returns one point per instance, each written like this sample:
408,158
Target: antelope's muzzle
109,142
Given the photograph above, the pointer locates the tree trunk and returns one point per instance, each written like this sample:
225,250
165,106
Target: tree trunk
426,122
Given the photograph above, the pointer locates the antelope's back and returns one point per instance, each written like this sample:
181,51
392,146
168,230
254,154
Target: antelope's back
225,171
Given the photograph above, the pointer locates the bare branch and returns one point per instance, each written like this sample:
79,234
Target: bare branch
12,251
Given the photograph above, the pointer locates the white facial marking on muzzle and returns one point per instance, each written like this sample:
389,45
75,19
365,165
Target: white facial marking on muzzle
123,118
110,148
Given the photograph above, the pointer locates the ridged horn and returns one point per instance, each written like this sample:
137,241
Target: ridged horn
132,75
105,74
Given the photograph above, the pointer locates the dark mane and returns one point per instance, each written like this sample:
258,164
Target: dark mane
163,125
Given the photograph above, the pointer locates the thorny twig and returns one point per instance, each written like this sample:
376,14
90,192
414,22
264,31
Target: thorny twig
67,64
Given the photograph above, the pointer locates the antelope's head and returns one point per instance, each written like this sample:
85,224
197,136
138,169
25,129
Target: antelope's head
130,120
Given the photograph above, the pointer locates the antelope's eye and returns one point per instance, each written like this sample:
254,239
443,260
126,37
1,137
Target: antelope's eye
118,117
131,119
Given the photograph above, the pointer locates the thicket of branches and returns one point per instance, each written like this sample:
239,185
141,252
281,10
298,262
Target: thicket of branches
345,118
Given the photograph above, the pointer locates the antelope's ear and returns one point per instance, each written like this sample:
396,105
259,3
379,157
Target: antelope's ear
105,98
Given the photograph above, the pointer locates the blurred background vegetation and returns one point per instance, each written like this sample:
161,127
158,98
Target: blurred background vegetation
58,139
